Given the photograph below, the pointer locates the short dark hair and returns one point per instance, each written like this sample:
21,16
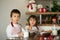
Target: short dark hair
34,17
15,11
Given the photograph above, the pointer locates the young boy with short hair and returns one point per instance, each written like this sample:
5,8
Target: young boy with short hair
14,29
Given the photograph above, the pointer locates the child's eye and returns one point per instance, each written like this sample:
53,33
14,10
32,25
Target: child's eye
14,16
17,16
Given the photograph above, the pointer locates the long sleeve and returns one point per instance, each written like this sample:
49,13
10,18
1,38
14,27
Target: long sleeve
23,30
34,29
26,33
8,31
26,28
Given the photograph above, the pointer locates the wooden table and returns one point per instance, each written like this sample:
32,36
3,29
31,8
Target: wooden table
36,38
29,38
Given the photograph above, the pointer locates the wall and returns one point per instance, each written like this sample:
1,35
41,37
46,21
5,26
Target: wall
5,7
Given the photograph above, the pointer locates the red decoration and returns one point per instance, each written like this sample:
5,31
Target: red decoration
30,4
42,9
48,38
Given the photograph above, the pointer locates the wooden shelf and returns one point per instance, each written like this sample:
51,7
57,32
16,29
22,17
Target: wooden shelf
48,25
37,13
43,13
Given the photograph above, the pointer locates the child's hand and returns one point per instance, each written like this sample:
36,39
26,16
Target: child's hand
20,34
29,28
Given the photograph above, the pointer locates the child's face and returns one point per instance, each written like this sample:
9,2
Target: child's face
54,20
15,17
32,21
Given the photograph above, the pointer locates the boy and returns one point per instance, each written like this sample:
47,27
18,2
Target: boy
14,29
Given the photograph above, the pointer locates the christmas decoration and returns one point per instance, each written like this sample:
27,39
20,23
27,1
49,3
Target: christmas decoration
31,6
40,8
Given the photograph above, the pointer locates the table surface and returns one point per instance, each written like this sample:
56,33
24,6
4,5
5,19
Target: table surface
30,38
24,38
